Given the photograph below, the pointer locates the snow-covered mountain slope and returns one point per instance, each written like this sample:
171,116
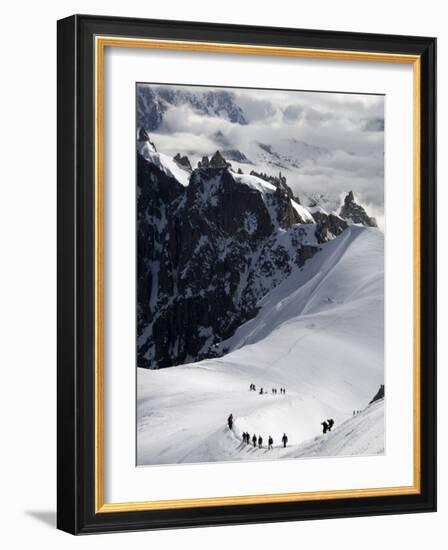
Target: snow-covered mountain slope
164,162
362,434
287,153
347,271
319,334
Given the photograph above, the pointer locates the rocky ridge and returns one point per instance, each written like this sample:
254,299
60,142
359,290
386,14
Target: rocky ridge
355,212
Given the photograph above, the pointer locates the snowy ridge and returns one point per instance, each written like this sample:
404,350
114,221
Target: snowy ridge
164,163
362,434
303,212
254,183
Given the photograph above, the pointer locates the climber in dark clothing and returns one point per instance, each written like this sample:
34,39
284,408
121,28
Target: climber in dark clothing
260,442
254,440
270,442
284,440
330,422
324,427
230,421
261,391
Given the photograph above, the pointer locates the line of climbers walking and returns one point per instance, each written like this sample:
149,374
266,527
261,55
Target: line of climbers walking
262,391
326,427
258,441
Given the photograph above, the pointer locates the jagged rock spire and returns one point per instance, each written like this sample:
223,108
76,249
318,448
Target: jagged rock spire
183,161
204,163
144,136
379,394
355,213
218,161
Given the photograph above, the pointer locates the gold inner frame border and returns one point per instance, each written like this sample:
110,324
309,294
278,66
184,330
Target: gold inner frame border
101,42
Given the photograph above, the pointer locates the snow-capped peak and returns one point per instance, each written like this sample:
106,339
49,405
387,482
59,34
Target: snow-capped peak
164,162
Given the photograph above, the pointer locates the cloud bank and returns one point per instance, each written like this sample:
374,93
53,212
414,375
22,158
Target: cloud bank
325,143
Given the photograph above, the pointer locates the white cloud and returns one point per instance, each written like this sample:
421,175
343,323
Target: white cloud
344,133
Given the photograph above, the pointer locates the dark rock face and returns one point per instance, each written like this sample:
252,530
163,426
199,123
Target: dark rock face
218,161
329,226
286,214
352,211
204,163
379,394
144,136
206,255
183,161
279,182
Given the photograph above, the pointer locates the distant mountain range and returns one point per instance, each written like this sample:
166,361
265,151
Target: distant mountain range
154,101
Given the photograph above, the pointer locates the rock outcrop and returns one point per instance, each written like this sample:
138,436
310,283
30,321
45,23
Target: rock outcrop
278,181
144,136
218,161
355,213
379,394
183,161
328,226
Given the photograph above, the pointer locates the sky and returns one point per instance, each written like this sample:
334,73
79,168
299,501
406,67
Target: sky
328,143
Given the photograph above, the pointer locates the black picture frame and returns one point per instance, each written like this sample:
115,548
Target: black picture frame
76,511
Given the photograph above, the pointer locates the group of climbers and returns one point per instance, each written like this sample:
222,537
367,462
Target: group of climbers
327,425
262,391
258,441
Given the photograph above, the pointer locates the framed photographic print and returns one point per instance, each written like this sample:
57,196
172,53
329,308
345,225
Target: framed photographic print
246,274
